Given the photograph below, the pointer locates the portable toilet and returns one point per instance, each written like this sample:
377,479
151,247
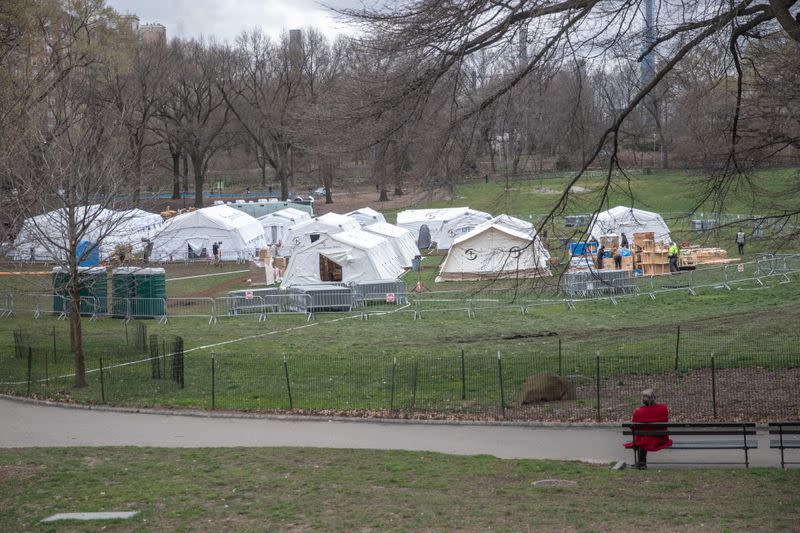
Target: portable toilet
92,283
150,287
123,287
60,281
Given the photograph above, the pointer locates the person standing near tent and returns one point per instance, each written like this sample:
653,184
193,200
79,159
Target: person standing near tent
617,258
215,251
673,257
624,242
601,252
650,411
740,240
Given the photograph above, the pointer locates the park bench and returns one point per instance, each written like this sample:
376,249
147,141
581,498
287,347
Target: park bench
788,434
700,436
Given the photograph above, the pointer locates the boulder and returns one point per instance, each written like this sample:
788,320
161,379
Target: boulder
547,388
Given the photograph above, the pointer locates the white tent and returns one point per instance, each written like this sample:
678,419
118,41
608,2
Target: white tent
627,220
399,238
309,231
276,224
43,237
347,256
444,224
366,216
504,247
192,235
136,226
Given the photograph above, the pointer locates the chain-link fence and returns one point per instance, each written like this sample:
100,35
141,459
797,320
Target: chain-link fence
701,375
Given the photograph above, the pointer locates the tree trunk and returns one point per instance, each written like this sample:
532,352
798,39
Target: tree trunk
137,177
283,177
263,166
176,175
384,197
185,172
75,331
199,178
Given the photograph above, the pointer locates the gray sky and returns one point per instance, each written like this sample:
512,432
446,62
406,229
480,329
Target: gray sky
225,19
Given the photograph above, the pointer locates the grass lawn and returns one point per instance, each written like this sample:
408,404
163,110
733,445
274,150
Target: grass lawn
245,489
341,362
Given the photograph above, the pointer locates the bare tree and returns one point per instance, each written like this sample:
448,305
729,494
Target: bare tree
135,87
441,35
68,168
194,111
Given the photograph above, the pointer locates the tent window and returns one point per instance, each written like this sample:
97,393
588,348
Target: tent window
329,270
314,237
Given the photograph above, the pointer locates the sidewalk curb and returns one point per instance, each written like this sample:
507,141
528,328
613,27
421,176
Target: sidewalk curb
198,413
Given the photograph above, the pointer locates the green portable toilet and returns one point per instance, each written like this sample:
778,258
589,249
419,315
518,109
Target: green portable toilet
93,282
123,286
60,281
151,290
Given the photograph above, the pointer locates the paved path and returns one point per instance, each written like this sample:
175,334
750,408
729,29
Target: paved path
27,424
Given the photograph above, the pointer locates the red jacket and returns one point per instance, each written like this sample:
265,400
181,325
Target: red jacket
651,413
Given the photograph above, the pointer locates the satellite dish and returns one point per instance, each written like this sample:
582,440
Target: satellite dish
424,239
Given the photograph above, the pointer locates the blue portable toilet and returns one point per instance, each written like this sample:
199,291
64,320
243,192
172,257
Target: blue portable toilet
90,253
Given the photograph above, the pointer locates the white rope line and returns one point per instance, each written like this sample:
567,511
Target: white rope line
209,275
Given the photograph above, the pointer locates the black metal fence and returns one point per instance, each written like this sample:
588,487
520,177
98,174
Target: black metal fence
701,376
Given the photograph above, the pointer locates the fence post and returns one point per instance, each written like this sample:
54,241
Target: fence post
597,383
54,344
677,347
213,382
502,391
127,342
46,373
391,396
713,386
102,383
30,362
288,384
463,378
560,373
414,385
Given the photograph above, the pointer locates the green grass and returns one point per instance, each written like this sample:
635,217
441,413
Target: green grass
341,362
281,489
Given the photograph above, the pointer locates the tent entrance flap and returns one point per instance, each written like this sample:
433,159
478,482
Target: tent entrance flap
329,270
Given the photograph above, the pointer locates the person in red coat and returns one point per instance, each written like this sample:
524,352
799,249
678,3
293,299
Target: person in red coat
650,411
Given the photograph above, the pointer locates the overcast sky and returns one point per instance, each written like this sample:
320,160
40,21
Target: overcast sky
225,19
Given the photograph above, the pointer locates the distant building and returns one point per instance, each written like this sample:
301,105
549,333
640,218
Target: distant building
145,33
152,33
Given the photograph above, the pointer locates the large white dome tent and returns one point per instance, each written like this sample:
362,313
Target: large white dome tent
444,224
366,216
309,231
192,235
503,247
628,220
276,224
352,256
400,239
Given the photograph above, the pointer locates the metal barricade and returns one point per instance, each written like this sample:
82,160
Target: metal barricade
392,291
192,307
33,303
247,304
6,305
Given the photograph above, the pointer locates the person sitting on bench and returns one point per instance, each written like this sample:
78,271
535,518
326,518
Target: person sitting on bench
650,411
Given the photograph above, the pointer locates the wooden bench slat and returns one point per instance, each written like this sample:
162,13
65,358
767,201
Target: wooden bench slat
784,432
691,424
672,432
713,445
787,443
